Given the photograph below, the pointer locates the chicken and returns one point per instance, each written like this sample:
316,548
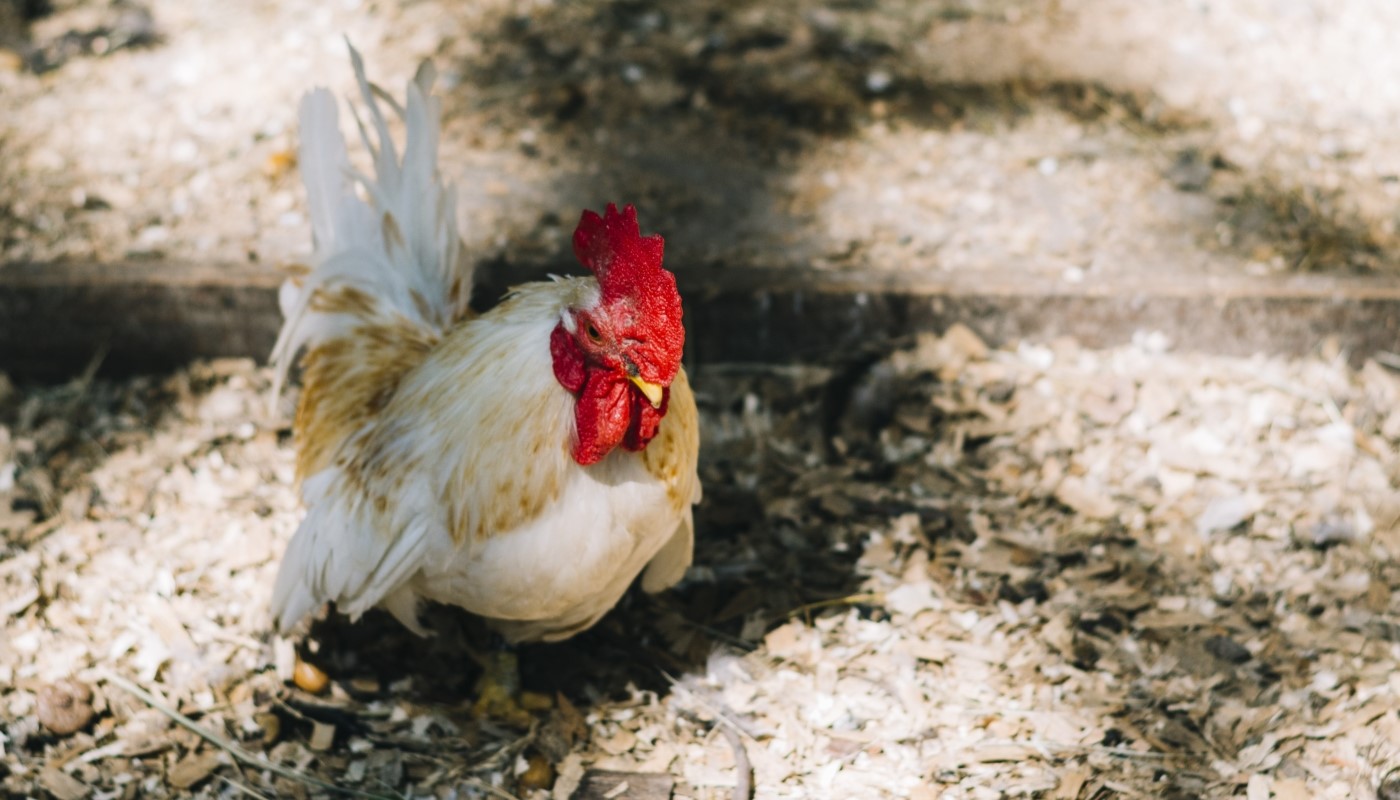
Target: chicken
525,464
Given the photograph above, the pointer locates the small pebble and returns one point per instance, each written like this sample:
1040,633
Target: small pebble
1227,649
538,775
65,707
309,677
1389,788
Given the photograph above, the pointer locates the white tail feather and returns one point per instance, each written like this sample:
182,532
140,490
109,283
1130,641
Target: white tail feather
400,246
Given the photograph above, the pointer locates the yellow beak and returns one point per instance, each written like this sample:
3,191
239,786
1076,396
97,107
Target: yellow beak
651,390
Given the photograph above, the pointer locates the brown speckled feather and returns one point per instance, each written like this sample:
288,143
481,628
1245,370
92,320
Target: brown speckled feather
671,456
346,382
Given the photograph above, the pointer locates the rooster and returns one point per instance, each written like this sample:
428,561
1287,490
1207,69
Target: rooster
526,463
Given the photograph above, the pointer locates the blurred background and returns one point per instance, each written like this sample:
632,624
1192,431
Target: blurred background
1155,157
1079,140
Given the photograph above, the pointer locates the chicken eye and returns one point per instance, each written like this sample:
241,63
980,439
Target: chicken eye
593,335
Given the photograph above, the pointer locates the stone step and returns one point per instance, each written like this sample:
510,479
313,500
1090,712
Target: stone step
150,316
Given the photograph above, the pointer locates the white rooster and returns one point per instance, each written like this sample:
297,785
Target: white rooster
525,464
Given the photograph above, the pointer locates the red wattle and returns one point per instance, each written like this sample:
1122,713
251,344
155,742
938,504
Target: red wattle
611,412
602,416
645,420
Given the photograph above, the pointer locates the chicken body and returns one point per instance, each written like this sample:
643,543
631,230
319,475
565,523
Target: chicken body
437,448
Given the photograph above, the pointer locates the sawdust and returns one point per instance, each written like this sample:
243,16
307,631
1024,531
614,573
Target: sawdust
960,572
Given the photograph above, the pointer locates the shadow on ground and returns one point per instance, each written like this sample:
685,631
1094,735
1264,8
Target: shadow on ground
803,467
708,120
700,117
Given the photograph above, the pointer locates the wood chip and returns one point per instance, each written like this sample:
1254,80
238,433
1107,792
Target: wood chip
1291,789
1152,620
1071,783
62,785
607,785
1088,501
570,777
194,768
322,736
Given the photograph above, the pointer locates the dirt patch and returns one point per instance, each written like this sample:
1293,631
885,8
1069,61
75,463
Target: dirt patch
1048,138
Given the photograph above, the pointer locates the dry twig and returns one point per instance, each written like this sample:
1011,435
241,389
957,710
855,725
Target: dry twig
743,769
230,747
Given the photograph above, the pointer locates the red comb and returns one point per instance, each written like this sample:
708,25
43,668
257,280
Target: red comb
628,267
613,243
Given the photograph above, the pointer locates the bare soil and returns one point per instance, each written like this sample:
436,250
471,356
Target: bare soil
1079,138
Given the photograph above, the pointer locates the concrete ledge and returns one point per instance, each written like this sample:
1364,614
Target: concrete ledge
154,315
